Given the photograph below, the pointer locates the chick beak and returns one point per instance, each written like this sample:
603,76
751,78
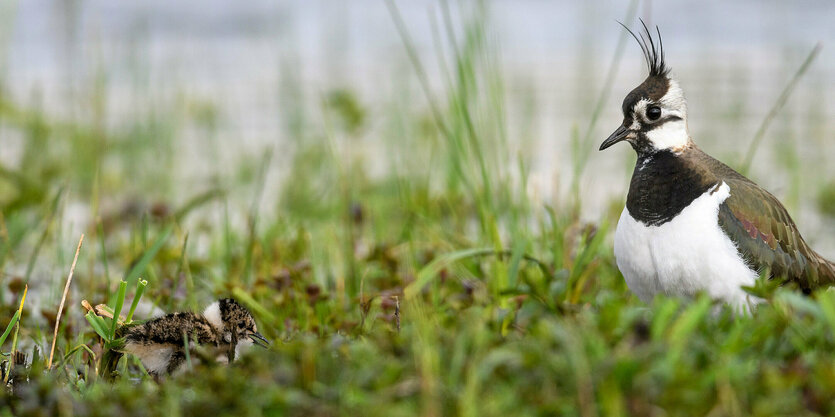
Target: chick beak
618,135
260,340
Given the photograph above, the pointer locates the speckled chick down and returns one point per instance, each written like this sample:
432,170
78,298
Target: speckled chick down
160,343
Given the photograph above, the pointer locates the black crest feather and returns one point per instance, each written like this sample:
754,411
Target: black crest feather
653,54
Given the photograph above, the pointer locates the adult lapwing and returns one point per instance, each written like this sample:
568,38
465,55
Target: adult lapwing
691,223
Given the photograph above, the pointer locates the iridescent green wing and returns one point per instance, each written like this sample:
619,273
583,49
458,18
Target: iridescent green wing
767,237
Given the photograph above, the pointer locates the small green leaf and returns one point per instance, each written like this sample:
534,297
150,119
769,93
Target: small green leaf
98,324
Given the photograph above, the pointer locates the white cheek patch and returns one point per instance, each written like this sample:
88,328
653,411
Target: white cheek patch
669,132
671,135
243,346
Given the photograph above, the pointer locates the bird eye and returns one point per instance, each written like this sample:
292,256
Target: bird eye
653,113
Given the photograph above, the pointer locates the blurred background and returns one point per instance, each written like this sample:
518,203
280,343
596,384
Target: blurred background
406,194
143,105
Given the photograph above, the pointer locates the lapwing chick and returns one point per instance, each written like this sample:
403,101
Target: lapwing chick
160,343
691,223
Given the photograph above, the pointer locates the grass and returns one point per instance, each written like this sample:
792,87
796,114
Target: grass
438,288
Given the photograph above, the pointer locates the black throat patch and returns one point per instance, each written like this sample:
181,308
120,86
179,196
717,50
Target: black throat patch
663,184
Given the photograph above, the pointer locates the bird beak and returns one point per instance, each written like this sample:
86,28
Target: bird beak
615,137
260,340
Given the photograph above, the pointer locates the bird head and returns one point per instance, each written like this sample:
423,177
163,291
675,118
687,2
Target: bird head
234,323
655,112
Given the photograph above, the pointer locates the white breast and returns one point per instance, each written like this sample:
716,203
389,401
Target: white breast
154,356
686,255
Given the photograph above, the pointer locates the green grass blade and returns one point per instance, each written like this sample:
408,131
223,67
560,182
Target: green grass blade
250,302
430,271
98,324
140,288
149,255
515,260
187,350
9,327
48,224
197,201
76,349
103,254
778,105
120,300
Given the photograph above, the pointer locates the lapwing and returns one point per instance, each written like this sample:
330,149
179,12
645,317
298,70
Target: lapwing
160,343
691,223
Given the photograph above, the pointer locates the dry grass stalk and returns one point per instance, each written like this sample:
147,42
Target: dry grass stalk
63,300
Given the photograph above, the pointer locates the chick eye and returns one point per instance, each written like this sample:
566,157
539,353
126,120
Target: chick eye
653,113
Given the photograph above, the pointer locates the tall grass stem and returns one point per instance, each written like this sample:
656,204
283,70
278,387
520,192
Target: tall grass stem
778,105
63,300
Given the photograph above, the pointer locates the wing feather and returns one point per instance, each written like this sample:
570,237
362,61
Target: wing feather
767,237
762,229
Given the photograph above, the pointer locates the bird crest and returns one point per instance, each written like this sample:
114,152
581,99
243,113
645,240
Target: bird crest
653,54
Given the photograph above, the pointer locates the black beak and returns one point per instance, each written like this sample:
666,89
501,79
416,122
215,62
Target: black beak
260,340
615,137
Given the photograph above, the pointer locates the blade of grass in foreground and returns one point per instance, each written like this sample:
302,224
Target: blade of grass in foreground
9,327
120,300
140,288
63,300
98,324
17,329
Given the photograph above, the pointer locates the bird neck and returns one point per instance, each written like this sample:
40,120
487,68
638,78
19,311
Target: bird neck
663,184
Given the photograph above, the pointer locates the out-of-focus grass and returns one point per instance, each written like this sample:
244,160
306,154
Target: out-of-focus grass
435,289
